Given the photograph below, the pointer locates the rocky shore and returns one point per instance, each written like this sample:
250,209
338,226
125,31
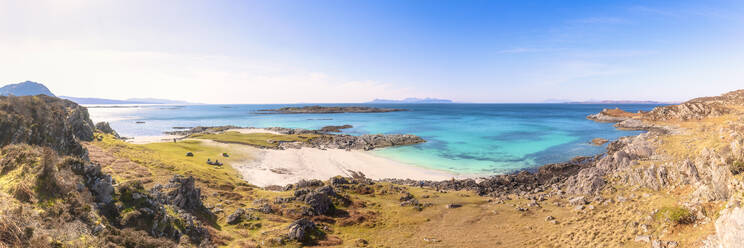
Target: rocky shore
329,110
323,138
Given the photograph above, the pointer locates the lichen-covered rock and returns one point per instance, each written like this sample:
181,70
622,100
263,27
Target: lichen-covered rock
300,229
319,200
236,217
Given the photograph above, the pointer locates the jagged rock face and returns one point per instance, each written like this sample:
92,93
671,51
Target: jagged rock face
149,214
300,229
729,229
698,108
691,110
105,127
45,121
181,192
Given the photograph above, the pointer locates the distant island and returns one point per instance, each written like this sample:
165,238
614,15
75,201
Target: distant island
412,100
26,88
328,110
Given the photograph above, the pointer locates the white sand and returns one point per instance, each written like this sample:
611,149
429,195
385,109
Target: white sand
282,167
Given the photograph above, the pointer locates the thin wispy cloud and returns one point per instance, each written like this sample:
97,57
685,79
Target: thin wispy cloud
600,20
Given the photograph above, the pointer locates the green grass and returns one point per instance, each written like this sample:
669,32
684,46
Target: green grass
676,215
256,139
737,167
168,158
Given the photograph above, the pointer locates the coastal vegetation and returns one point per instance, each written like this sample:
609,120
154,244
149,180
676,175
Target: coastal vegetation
266,140
676,185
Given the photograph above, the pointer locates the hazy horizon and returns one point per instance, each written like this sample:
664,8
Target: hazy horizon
357,51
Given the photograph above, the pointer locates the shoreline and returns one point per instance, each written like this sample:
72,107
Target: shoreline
266,167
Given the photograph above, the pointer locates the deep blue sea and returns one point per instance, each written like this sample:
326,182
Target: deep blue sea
465,138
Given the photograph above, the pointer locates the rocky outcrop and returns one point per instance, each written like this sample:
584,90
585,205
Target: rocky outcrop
319,199
105,127
363,142
300,229
329,110
613,115
334,129
181,192
729,229
692,110
45,121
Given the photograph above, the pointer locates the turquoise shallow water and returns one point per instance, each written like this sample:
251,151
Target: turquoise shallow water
465,138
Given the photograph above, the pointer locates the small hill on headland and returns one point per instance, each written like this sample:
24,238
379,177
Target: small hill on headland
27,88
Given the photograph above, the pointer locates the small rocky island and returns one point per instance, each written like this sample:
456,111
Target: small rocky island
329,110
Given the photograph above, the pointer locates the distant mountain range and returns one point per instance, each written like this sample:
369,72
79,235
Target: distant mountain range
27,88
87,101
412,100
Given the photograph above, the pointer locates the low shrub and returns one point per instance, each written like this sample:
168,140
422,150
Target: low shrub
676,215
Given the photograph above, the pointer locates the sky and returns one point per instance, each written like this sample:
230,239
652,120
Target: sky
354,51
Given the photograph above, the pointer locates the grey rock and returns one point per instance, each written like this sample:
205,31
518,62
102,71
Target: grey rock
236,217
300,229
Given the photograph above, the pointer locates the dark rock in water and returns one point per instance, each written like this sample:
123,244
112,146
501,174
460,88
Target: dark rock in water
300,229
599,141
140,122
45,121
236,217
104,127
334,129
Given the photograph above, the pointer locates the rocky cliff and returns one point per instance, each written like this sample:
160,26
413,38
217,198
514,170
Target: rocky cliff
51,195
45,121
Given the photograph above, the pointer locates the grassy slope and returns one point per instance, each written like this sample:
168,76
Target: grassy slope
255,139
477,223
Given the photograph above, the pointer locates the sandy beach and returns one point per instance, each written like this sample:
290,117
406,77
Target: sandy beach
280,167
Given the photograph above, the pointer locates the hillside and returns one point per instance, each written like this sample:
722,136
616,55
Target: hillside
677,185
26,88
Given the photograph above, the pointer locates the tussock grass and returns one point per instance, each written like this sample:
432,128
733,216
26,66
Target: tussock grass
675,214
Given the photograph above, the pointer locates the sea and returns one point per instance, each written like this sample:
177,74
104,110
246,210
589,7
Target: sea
461,138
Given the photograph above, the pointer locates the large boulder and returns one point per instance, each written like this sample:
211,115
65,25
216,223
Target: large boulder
300,229
319,200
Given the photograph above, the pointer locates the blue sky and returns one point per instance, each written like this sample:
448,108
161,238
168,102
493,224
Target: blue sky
354,51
